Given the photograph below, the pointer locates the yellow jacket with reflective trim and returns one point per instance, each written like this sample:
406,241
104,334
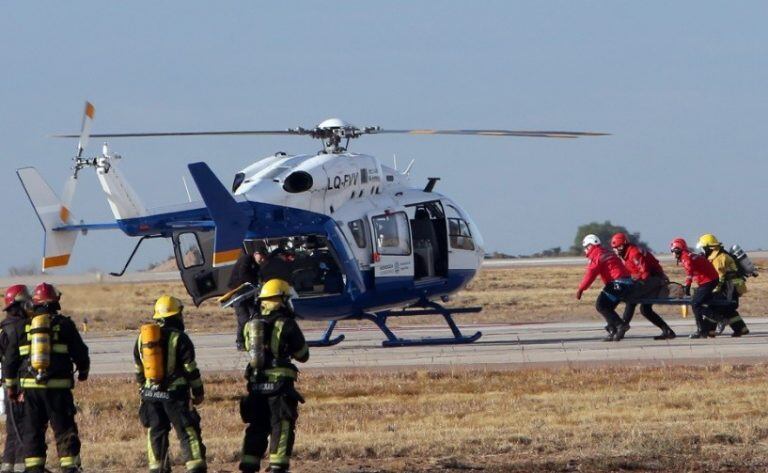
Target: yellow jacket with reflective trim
284,341
728,270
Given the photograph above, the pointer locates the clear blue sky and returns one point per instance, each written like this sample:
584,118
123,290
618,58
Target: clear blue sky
681,85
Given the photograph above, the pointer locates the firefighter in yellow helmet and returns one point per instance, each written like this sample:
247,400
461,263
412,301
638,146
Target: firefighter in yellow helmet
273,339
167,372
731,284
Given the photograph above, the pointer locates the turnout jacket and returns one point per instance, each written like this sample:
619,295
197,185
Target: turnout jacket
67,348
181,373
697,268
642,264
4,326
727,270
283,341
245,270
603,263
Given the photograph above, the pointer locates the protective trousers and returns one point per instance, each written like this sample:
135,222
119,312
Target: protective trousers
701,296
270,418
243,314
607,301
731,314
158,416
41,406
13,454
647,288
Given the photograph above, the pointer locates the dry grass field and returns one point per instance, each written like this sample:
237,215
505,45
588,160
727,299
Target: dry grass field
595,419
518,295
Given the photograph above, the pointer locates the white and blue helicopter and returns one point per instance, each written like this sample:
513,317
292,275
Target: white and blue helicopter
368,244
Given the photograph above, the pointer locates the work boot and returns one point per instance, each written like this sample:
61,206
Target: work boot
740,333
620,331
611,332
666,334
721,326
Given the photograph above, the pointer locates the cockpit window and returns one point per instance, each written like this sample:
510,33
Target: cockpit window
392,235
239,178
458,230
357,228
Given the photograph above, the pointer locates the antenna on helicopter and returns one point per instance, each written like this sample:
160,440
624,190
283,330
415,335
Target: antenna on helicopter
394,161
408,169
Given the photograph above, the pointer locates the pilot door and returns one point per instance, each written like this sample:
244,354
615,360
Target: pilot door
194,258
392,250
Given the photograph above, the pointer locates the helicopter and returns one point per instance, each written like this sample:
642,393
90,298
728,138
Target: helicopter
366,242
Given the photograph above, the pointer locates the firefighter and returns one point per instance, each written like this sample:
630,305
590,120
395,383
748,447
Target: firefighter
617,280
18,303
246,270
38,369
273,339
649,279
698,269
166,371
731,284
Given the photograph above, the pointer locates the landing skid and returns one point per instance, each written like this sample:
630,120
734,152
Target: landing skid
427,308
325,340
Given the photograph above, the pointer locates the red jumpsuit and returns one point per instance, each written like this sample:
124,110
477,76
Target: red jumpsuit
617,280
650,279
604,263
699,269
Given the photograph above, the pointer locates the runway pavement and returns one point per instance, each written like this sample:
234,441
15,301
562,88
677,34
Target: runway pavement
502,347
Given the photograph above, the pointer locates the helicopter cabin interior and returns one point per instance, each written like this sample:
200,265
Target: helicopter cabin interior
307,261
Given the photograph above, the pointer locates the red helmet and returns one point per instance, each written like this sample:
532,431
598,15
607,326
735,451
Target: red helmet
14,294
678,244
45,293
619,239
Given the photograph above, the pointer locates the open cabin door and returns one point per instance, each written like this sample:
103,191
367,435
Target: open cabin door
194,258
393,250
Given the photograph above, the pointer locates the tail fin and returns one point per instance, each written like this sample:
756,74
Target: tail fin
231,222
52,214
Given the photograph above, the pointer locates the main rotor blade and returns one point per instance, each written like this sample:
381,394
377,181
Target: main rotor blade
188,133
521,133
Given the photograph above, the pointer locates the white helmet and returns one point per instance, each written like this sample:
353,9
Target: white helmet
590,240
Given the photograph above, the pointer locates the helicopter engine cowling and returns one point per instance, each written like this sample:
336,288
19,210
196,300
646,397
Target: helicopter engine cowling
297,182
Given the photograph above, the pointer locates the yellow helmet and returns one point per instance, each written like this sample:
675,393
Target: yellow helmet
708,240
275,288
167,306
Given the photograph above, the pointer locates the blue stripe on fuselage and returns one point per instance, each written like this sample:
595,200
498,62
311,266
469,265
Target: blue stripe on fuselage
374,299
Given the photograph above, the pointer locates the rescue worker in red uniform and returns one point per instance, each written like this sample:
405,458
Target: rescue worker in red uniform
46,393
649,279
168,402
697,269
617,280
273,339
18,304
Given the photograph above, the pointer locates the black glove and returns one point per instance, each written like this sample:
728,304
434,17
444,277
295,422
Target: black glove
687,288
82,375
